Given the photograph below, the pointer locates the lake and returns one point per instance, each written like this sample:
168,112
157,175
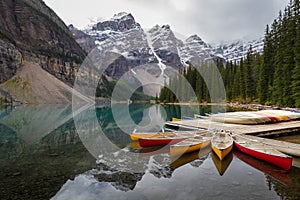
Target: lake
56,152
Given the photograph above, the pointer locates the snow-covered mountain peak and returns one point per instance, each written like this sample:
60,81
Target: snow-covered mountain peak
161,41
196,40
120,22
167,27
193,38
195,50
123,35
235,50
122,16
163,31
165,44
163,37
157,52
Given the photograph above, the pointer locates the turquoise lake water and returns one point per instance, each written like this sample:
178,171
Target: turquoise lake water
54,152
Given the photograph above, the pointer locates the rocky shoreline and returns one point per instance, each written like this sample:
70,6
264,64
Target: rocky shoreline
252,107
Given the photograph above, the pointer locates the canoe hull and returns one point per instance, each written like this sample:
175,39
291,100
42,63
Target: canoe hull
272,118
287,114
196,116
137,136
150,142
222,153
175,119
282,162
222,144
289,148
135,145
179,150
247,118
278,116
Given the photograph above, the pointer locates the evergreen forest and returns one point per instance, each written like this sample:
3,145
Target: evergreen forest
271,78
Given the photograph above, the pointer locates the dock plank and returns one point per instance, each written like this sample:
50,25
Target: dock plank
259,129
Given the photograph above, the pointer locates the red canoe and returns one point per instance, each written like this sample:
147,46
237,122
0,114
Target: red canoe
150,142
263,152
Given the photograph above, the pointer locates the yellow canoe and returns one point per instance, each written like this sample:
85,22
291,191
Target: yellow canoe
175,119
222,144
191,144
137,136
135,145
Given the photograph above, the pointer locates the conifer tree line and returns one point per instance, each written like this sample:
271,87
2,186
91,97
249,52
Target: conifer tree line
189,85
272,78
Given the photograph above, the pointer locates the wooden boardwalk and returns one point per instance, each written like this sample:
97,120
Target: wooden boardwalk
259,130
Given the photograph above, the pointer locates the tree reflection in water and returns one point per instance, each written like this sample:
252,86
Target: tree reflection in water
286,192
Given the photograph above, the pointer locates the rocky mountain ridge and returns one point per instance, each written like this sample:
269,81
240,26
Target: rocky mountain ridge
30,32
159,45
235,50
123,35
153,55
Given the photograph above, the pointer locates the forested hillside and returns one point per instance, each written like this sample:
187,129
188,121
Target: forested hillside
269,78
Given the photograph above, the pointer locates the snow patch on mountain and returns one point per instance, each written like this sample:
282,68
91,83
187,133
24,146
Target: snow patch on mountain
234,51
121,34
157,54
161,65
122,16
195,50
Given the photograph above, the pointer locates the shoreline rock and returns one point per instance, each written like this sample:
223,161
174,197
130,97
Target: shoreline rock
253,107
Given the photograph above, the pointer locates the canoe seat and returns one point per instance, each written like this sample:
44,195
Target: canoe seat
222,134
222,145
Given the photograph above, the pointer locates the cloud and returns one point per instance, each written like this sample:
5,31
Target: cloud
232,19
213,20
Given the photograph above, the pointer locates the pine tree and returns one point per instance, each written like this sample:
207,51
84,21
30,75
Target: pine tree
179,86
236,83
199,89
265,72
183,86
257,63
274,76
277,96
249,82
288,35
296,71
242,81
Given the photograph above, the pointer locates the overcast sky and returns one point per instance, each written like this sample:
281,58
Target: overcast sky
212,20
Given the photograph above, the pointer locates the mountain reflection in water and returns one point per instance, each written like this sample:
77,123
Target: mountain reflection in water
45,153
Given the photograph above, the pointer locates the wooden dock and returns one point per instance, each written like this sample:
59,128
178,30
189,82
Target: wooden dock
259,130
